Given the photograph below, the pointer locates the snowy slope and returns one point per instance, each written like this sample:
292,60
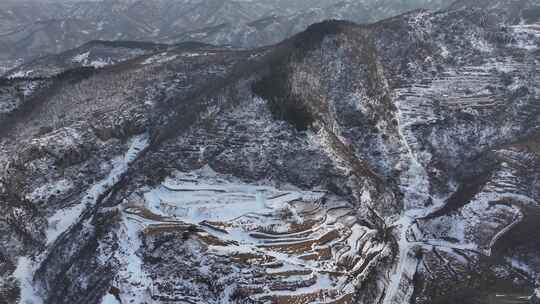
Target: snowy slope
394,162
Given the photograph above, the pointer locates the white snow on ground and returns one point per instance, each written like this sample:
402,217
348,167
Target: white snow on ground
475,215
526,36
132,277
197,54
405,268
444,50
235,212
81,57
518,264
20,74
481,214
109,299
414,183
323,282
200,196
480,44
322,140
29,88
47,190
99,63
62,220
65,218
64,137
24,275
159,58
84,60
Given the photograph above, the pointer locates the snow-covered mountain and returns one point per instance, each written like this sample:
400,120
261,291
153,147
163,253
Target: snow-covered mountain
393,162
31,28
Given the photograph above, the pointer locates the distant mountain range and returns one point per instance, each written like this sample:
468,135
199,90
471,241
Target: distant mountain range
30,29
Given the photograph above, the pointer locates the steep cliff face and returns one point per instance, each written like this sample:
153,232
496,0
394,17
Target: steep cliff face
395,162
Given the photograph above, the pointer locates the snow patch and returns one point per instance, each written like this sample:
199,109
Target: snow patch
205,196
526,36
85,60
81,57
20,74
197,54
518,264
67,217
24,274
46,191
109,299
132,274
159,58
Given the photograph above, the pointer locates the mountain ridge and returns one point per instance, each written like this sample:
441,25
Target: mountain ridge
330,167
61,26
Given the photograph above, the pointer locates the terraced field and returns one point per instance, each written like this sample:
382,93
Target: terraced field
288,246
